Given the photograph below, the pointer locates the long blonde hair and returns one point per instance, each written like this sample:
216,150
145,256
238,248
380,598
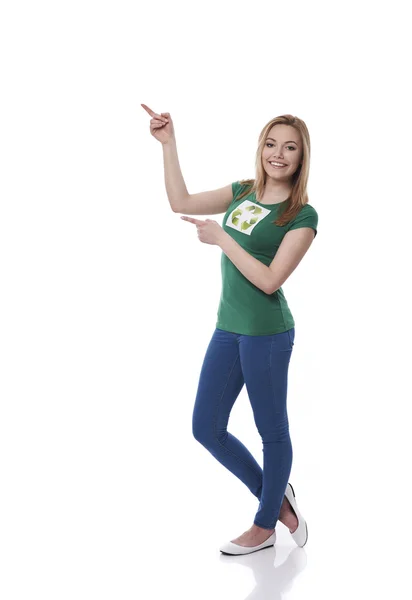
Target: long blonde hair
298,196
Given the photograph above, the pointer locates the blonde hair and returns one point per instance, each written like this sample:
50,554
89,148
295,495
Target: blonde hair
298,196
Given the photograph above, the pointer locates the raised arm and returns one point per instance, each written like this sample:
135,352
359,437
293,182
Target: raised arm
203,203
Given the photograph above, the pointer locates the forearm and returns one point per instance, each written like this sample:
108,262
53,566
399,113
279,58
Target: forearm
254,270
175,184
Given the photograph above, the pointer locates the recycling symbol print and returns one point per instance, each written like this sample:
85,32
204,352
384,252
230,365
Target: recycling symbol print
245,217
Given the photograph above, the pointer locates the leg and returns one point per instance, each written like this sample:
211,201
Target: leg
265,363
221,380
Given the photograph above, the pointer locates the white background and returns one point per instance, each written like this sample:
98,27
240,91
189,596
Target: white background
108,299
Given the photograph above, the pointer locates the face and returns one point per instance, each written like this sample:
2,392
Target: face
283,144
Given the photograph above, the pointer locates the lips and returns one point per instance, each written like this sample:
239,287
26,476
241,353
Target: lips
277,166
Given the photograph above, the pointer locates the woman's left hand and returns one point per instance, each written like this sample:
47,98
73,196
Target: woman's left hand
209,232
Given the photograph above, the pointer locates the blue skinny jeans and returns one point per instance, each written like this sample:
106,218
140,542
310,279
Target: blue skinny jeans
262,363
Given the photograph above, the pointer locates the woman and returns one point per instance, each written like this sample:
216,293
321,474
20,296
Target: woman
267,228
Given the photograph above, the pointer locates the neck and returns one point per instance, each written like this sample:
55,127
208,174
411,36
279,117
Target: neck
277,190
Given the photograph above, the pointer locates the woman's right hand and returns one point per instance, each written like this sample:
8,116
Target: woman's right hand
161,126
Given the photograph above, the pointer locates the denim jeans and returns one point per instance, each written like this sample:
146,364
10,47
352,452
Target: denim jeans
262,363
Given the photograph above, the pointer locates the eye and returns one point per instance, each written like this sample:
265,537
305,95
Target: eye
270,144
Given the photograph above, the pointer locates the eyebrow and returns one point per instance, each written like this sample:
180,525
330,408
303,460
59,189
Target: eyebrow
290,141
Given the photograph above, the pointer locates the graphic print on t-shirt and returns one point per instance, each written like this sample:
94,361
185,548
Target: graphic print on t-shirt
246,216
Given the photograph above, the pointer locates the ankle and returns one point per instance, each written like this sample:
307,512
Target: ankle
256,529
289,519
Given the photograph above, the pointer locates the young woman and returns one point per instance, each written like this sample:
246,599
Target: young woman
267,229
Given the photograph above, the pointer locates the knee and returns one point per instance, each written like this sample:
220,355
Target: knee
277,433
204,433
199,431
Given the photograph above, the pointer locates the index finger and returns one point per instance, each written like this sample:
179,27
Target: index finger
150,111
192,220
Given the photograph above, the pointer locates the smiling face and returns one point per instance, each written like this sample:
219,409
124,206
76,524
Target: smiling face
283,144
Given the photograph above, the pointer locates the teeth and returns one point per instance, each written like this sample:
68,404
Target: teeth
277,164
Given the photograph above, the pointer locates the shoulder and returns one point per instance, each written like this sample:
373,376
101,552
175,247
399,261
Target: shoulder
306,217
307,210
238,187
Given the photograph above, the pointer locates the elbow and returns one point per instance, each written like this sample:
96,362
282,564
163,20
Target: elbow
271,287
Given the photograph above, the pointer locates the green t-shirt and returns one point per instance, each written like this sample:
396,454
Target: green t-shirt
243,307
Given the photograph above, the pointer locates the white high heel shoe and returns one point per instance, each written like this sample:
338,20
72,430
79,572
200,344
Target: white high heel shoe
300,535
231,548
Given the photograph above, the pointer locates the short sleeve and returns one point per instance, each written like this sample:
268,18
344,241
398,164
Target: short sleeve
307,217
